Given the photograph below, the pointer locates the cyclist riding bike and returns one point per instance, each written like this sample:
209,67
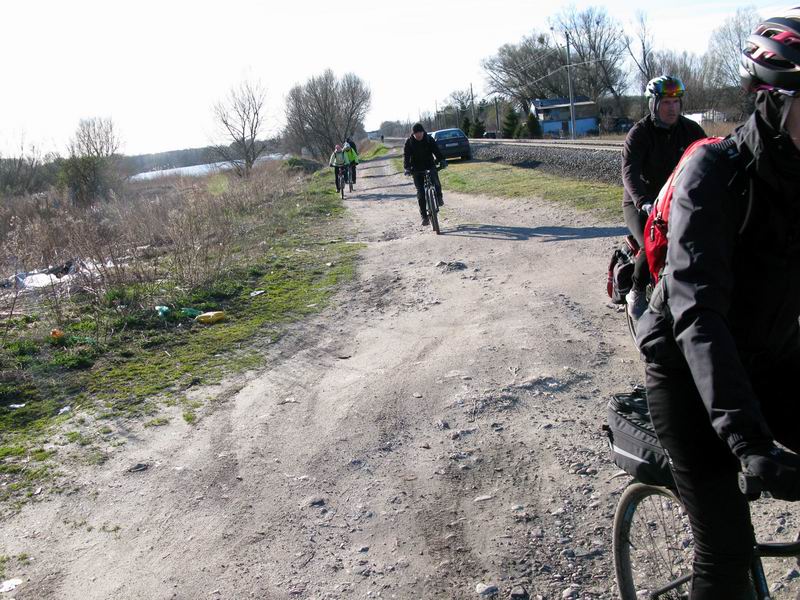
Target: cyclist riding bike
338,161
721,338
420,154
652,148
352,158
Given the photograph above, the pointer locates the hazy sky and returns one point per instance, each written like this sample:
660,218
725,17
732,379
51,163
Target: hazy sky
157,68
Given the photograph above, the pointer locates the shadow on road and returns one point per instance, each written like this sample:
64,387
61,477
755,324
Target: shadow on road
391,197
546,234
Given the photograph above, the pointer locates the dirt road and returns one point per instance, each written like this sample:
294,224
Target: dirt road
436,429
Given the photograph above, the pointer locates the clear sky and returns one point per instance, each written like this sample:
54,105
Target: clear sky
157,67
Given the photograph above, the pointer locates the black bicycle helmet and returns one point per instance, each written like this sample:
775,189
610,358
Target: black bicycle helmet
771,58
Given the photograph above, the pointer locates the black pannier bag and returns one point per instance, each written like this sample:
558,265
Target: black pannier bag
634,445
620,274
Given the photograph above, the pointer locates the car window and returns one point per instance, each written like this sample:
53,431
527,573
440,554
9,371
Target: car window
448,134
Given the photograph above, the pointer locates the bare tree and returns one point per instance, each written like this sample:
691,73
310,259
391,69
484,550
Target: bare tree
642,54
533,68
325,110
91,170
726,43
599,52
95,137
241,117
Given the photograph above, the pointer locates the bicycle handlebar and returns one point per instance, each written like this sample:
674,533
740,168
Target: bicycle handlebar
750,485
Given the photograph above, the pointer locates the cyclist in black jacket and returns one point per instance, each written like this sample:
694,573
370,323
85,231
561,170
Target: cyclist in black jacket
419,154
721,338
652,149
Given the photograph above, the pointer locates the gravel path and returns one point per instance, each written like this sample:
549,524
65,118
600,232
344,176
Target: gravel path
591,165
434,434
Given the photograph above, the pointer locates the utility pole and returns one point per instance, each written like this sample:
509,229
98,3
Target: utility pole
496,116
569,82
472,102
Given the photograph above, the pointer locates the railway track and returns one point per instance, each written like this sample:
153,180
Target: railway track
603,145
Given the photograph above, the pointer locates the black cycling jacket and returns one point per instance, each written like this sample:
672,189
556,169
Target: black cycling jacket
650,154
727,306
418,155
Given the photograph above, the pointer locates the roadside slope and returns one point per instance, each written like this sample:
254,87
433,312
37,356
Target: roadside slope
436,428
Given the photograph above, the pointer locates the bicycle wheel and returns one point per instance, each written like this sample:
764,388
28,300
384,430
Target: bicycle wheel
433,209
653,544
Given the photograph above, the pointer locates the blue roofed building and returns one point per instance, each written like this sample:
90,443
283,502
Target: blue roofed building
554,118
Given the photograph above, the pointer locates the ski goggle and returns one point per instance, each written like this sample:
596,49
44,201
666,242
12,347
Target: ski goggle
670,89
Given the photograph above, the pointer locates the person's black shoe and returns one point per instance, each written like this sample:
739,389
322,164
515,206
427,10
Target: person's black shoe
440,202
425,221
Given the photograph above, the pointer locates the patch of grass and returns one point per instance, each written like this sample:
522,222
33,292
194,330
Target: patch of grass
374,152
190,416
497,179
157,422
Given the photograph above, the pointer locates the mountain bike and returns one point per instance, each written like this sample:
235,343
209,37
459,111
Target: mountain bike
430,198
342,178
653,545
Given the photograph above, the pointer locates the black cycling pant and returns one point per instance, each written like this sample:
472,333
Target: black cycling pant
636,219
419,183
353,172
705,471
336,176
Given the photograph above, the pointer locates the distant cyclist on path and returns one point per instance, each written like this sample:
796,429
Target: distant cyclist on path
421,153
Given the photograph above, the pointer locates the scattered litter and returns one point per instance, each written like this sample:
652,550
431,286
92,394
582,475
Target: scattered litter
255,293
9,585
56,334
138,467
311,305
65,409
16,406
289,400
38,491
210,318
483,498
162,311
191,312
329,264
417,395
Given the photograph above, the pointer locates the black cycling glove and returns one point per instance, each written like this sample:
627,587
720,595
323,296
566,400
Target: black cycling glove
778,469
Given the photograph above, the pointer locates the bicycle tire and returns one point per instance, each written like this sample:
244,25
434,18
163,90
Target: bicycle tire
433,209
652,543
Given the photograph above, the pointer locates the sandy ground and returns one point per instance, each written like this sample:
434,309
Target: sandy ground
438,428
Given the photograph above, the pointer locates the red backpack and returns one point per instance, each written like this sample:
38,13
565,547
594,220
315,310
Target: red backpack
656,229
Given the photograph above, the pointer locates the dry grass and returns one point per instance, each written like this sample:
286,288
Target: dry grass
184,230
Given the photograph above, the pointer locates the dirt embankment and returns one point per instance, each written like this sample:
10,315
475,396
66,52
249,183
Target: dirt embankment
434,434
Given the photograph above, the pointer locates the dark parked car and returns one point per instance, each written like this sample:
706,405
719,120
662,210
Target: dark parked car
453,142
490,135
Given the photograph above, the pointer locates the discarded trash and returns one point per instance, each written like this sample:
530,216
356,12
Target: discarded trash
210,317
56,334
191,312
255,293
162,311
16,406
9,584
138,467
66,409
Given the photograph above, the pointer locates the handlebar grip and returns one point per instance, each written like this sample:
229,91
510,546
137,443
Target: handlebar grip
750,486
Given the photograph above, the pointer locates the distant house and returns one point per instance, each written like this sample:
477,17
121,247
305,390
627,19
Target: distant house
374,135
553,115
709,116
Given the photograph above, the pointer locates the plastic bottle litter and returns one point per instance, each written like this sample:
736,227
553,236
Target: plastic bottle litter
162,311
210,318
191,312
255,293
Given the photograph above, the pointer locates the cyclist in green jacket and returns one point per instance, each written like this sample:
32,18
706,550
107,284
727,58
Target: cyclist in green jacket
338,160
352,157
